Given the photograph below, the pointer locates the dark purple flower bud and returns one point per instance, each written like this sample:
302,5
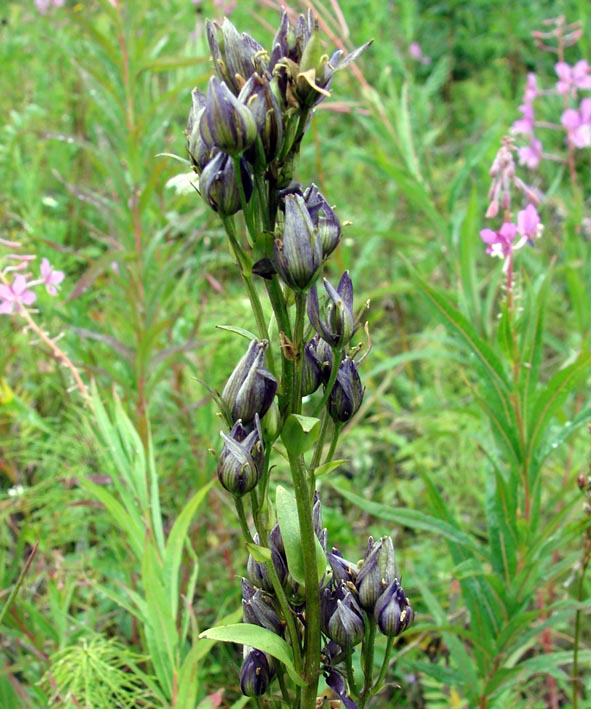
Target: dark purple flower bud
257,571
393,612
324,219
311,368
342,569
347,394
297,252
336,681
251,388
235,56
258,96
256,673
378,570
242,458
289,42
199,151
218,185
226,122
257,608
346,626
338,326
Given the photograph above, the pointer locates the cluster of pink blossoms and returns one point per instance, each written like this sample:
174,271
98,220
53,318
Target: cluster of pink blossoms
510,237
45,5
16,287
576,122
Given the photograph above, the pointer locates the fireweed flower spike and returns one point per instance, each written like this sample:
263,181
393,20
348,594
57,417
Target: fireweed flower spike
572,78
502,243
578,124
50,277
15,295
251,388
338,326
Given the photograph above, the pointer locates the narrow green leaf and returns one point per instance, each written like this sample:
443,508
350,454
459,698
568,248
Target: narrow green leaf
411,518
259,553
188,679
259,638
130,526
551,399
238,331
289,524
161,632
329,467
175,544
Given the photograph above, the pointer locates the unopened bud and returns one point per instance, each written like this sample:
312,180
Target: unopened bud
347,394
392,611
251,388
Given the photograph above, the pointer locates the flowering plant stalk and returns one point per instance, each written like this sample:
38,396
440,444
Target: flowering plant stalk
305,608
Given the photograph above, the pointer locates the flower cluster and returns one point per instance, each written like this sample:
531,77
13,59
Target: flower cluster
256,109
510,237
243,139
17,283
43,6
353,597
575,120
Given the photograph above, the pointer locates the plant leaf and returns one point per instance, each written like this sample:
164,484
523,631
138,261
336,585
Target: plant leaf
259,638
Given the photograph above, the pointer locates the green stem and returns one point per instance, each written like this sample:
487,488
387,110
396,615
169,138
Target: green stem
242,519
312,629
324,423
281,680
245,271
384,669
288,615
335,439
350,674
578,615
334,370
245,208
298,343
13,594
367,661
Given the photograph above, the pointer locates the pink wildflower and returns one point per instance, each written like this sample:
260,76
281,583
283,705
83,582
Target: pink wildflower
50,278
500,243
531,154
528,224
571,78
44,5
15,295
526,124
578,124
416,53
